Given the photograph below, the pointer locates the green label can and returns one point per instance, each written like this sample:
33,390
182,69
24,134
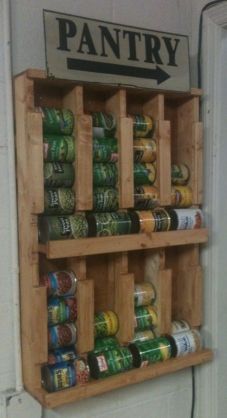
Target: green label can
144,173
105,150
143,126
145,317
144,335
144,294
106,324
58,175
61,310
59,201
104,124
62,335
145,197
105,174
59,148
181,196
108,224
57,121
180,174
150,351
59,376
144,150
105,199
110,362
59,283
162,220
62,227
105,344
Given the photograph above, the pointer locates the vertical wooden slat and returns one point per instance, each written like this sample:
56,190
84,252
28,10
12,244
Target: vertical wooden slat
117,103
155,107
164,162
78,266
73,100
85,316
39,344
124,306
163,286
197,163
35,145
126,179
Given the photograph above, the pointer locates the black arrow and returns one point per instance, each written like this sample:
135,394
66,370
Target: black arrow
126,70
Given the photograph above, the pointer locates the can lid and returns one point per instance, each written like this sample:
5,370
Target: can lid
135,354
93,365
43,229
135,222
92,227
173,219
172,345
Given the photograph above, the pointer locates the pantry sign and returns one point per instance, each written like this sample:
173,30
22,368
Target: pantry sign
82,49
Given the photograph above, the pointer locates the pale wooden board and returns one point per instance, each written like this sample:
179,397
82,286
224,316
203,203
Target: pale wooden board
163,180
85,316
197,172
94,388
124,306
125,164
163,285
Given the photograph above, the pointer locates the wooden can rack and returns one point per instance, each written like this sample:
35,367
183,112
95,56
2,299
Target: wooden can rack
106,267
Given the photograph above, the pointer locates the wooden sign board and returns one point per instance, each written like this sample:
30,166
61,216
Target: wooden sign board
83,49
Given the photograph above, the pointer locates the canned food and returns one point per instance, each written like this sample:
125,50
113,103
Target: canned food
105,174
147,221
144,294
144,335
62,227
143,126
59,283
180,174
181,196
58,175
106,324
180,326
150,351
144,150
145,197
104,124
186,342
162,220
145,317
82,370
110,362
58,148
59,376
105,150
144,173
105,199
62,335
106,343
59,201
112,223
186,218
61,310
61,354
57,121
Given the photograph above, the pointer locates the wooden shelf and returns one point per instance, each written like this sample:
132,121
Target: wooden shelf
98,387
104,245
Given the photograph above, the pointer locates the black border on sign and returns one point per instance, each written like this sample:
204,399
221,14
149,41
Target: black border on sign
126,26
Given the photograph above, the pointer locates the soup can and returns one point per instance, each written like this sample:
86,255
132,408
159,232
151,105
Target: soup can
148,334
58,376
59,283
150,351
112,223
186,218
181,196
145,317
59,148
146,221
62,227
59,201
57,121
61,354
58,175
110,362
105,343
145,197
104,124
143,126
105,199
162,219
61,310
144,150
106,324
82,370
180,326
186,342
105,150
180,174
62,335
144,173
144,294
105,174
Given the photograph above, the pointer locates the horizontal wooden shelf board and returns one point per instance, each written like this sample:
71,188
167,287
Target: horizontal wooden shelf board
94,388
104,245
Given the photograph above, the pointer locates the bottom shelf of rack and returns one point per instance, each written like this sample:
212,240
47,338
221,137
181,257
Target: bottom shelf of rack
98,387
